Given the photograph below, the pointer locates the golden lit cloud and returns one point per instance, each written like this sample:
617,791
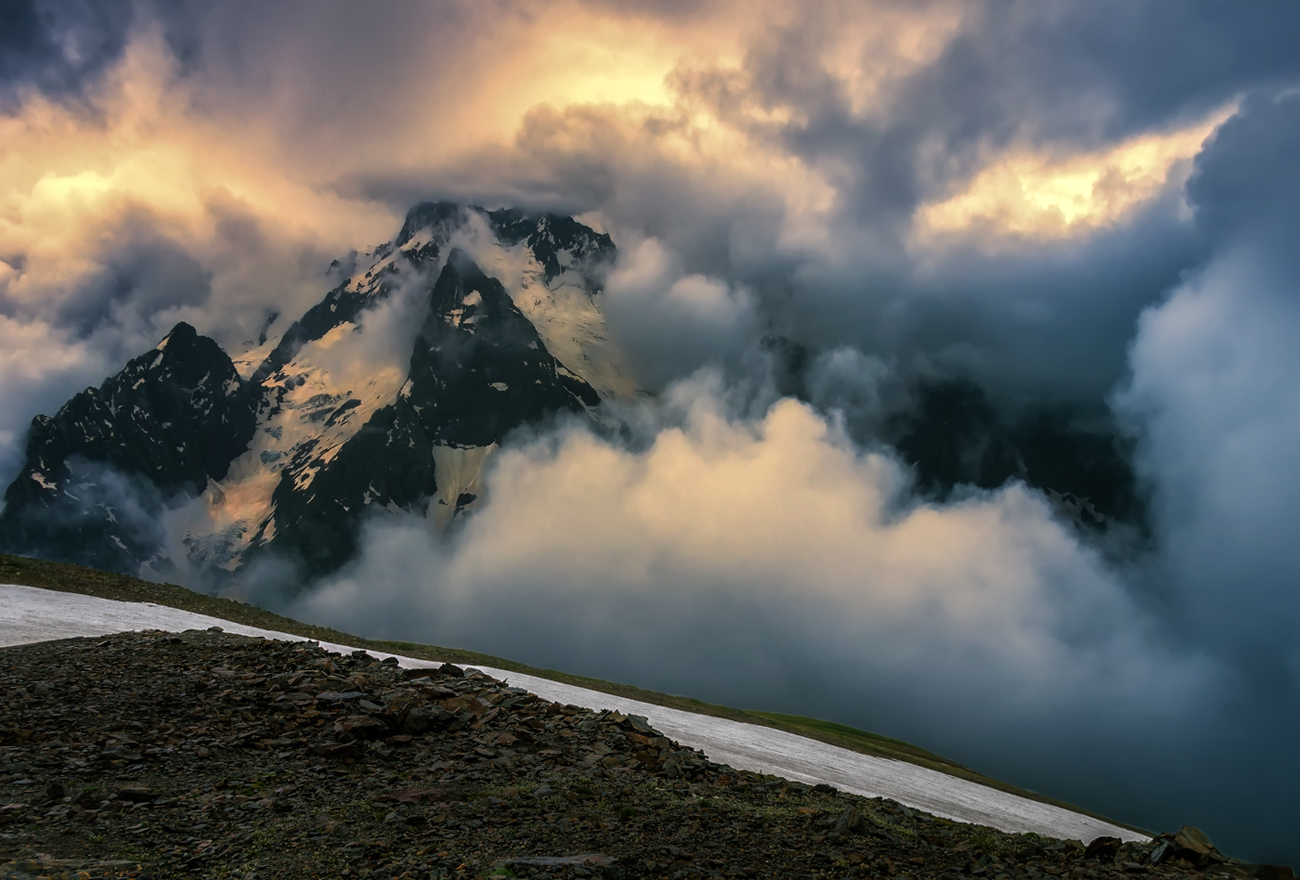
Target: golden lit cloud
260,139
869,55
1045,195
75,181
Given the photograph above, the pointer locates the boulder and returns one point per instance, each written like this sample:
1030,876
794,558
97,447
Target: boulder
1103,848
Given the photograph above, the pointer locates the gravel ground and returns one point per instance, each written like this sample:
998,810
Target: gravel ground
32,615
209,754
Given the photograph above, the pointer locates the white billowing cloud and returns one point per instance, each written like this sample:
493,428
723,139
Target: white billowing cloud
1213,398
846,381
1214,390
670,322
40,367
763,559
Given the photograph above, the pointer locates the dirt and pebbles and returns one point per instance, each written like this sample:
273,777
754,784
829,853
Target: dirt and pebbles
205,754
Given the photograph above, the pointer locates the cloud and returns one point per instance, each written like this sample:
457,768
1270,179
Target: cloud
768,562
1212,388
1213,399
40,366
1049,196
670,323
57,47
779,521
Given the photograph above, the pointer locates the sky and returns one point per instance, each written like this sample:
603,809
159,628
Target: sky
1080,207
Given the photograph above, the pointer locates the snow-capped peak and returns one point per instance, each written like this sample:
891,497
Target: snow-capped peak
391,392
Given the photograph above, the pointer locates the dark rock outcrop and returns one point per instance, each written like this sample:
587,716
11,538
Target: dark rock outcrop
99,471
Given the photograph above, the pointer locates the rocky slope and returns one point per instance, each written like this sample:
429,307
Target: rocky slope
192,457
210,755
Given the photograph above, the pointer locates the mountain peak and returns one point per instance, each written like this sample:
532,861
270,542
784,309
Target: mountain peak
556,240
510,334
429,214
462,264
182,333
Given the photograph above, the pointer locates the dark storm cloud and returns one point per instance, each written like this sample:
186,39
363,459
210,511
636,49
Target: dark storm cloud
1077,73
1247,182
1072,75
1053,316
1056,64
1049,322
142,277
1041,318
56,46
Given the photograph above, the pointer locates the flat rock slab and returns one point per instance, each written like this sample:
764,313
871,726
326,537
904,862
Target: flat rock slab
584,859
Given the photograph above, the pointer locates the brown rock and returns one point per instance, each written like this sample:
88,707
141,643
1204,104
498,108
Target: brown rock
850,821
361,727
1104,848
422,719
1193,840
581,860
136,793
1191,845
414,795
336,749
1271,872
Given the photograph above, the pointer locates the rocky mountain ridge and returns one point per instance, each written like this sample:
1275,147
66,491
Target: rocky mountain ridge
195,459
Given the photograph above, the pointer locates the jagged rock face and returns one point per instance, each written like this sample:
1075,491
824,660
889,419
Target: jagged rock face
477,371
956,437
556,242
387,463
479,367
174,418
289,444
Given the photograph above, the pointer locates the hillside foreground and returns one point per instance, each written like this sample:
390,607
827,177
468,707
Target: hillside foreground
212,754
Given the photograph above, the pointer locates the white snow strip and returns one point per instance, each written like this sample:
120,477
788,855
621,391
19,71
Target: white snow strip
28,614
457,470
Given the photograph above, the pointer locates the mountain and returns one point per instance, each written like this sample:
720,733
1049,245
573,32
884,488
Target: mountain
953,436
391,393
173,419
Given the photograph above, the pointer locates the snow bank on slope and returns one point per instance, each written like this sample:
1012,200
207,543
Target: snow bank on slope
28,614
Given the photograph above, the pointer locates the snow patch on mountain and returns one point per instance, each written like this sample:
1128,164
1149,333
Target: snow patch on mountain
459,471
563,309
247,363
314,405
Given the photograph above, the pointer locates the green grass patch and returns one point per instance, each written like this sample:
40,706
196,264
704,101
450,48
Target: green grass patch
859,740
